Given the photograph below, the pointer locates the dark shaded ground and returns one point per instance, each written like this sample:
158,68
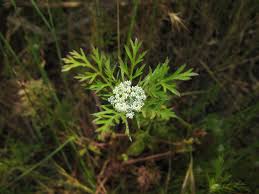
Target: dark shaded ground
40,108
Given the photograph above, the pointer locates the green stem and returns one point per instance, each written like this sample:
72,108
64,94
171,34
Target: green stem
133,19
118,29
127,132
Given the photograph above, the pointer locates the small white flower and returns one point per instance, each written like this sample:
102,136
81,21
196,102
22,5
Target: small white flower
127,98
130,115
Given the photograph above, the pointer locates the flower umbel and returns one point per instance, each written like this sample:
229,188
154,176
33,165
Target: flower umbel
127,99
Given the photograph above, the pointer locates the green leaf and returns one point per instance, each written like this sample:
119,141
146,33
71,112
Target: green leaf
86,76
98,58
98,86
171,87
129,54
180,75
109,71
123,68
138,146
106,119
76,59
139,71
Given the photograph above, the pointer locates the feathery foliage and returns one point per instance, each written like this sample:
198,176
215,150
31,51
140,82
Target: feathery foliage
101,76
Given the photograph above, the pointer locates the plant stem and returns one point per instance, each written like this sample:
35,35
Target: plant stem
118,29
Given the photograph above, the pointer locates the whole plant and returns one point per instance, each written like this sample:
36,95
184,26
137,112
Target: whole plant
129,89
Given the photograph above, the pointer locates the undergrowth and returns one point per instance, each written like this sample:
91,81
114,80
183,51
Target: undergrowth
64,135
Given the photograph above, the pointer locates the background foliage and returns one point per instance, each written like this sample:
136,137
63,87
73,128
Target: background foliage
48,142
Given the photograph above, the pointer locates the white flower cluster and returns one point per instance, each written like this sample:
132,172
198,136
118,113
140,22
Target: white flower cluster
127,98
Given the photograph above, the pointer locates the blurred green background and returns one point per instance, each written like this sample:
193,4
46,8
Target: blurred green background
48,143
